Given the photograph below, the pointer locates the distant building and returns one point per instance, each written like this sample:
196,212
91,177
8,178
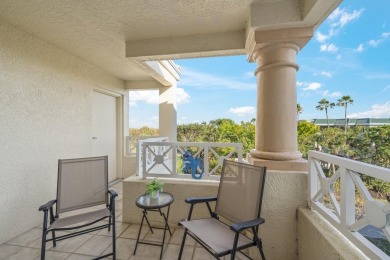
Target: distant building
352,122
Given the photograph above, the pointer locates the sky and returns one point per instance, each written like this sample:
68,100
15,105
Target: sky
349,54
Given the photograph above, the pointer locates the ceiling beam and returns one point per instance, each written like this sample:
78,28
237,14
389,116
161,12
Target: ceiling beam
203,45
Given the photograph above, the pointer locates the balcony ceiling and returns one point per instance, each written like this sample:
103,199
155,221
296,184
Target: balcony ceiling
118,35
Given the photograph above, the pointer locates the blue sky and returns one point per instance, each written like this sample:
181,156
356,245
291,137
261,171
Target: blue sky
348,55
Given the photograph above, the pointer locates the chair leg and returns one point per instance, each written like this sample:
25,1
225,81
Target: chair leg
109,223
113,238
182,244
234,250
44,232
53,233
259,243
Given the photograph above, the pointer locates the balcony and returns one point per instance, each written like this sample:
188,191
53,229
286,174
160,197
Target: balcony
328,229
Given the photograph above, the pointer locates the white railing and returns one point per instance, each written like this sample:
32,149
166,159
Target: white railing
131,143
339,208
200,160
148,156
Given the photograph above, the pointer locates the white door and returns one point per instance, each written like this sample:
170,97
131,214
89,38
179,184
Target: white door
104,116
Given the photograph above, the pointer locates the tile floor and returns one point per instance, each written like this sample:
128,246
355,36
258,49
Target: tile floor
27,245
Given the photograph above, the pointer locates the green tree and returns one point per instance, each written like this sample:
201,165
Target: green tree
343,102
299,110
324,104
307,133
143,131
194,132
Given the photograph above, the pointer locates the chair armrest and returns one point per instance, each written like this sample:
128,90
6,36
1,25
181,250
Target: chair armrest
238,227
113,193
195,200
47,206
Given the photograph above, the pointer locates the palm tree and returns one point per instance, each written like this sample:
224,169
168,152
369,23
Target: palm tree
343,102
299,110
324,105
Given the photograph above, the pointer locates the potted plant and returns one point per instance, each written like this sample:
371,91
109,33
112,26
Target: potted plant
154,187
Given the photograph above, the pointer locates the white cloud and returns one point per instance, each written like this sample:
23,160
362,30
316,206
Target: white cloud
374,43
328,47
148,96
182,96
360,48
326,93
321,37
152,96
385,35
386,88
312,86
338,19
377,110
341,17
378,75
325,74
242,111
194,78
301,84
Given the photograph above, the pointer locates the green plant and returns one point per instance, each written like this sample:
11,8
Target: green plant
154,186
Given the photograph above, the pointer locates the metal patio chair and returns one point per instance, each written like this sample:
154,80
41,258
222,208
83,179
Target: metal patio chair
82,184
238,203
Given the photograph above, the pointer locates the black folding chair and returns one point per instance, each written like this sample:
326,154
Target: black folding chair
239,202
82,183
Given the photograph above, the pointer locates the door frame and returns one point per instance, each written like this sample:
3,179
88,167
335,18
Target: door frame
119,127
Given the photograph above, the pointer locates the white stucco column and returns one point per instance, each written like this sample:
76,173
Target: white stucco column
276,124
167,113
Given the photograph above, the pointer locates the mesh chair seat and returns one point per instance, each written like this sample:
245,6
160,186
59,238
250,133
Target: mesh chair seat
215,234
85,217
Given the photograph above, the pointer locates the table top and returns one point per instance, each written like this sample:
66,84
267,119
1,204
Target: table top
146,202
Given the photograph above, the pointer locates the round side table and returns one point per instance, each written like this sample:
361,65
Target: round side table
146,203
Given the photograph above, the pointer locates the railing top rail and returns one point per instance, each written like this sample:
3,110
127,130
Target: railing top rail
143,136
360,167
153,139
148,142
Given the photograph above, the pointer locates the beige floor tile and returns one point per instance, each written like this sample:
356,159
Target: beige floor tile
26,238
72,244
24,254
38,243
119,229
79,257
157,236
124,248
118,217
147,252
132,231
118,205
52,255
172,252
177,238
7,250
202,254
95,246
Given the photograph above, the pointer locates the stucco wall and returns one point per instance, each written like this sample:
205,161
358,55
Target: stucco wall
284,193
45,114
317,239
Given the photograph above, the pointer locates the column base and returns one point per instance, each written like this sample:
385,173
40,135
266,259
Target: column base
297,165
276,156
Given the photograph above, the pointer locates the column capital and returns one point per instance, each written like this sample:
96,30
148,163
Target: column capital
287,37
